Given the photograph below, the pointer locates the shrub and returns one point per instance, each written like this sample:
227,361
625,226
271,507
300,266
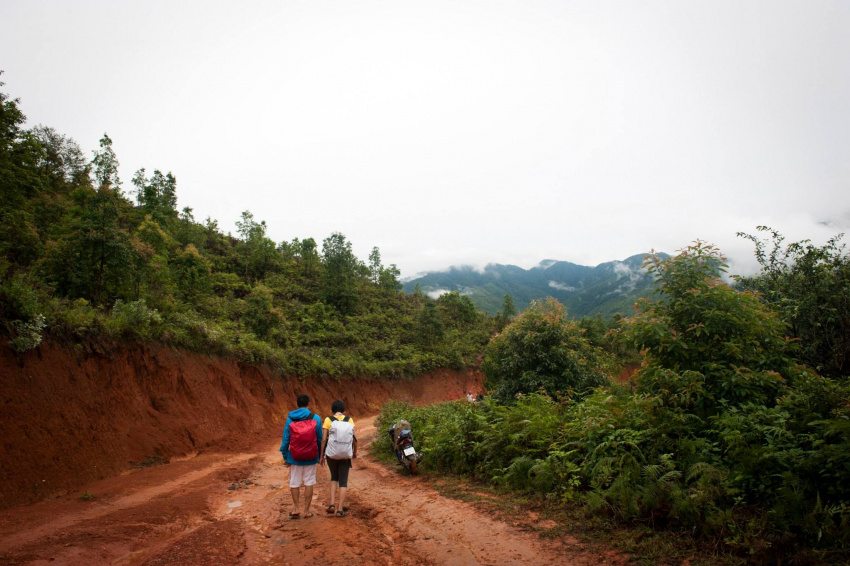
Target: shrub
19,299
703,325
809,287
543,350
75,318
28,333
132,318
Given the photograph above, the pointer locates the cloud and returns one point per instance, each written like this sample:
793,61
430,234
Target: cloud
841,222
437,293
475,268
624,271
561,286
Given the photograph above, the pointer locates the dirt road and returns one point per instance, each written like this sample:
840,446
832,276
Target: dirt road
216,509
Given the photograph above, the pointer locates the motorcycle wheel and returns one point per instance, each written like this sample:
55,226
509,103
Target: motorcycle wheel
413,469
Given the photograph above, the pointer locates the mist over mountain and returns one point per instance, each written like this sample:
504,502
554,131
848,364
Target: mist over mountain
608,288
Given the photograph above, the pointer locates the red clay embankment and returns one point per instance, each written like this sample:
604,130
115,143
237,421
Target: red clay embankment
70,417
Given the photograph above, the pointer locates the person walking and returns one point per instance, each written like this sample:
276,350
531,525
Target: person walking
339,447
302,439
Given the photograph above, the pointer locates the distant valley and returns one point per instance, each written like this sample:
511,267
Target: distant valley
608,288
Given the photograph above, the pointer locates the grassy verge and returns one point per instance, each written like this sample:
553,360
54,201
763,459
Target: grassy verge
573,524
552,518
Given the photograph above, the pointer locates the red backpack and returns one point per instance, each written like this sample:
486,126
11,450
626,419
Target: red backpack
302,438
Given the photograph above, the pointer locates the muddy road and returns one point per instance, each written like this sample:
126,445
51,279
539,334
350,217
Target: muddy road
228,509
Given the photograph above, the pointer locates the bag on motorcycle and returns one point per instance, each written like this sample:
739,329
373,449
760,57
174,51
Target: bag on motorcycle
340,439
396,431
302,439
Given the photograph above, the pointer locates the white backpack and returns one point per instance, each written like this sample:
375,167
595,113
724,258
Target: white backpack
340,439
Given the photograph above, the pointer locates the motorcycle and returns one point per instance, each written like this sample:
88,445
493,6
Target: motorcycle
402,441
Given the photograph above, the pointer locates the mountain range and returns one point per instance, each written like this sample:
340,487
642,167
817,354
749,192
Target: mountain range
608,288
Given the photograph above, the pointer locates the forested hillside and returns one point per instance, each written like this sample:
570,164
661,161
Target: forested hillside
88,259
609,288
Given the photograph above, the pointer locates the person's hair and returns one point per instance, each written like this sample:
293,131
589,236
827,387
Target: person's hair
303,400
337,407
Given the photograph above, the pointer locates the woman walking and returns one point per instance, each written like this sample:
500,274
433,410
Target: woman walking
339,446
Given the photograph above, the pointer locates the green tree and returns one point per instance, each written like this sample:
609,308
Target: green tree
508,308
810,288
193,273
259,254
308,255
543,349
730,345
11,119
594,328
152,274
722,393
92,258
19,157
457,310
37,171
261,316
508,311
429,327
388,279
20,241
91,261
157,196
105,164
375,266
152,234
188,231
62,161
339,287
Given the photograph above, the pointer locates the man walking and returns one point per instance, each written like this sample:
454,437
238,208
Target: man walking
302,438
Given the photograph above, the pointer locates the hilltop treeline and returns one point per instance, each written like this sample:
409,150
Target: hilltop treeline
89,260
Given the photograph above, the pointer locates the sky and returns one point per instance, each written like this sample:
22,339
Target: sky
474,132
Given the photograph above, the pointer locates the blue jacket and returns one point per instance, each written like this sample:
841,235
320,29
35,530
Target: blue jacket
284,446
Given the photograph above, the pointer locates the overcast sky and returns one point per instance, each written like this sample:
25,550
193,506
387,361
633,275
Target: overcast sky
461,132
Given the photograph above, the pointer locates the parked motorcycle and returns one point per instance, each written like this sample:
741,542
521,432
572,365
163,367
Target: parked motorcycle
402,440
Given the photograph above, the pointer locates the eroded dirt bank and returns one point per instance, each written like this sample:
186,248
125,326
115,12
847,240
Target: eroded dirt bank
71,417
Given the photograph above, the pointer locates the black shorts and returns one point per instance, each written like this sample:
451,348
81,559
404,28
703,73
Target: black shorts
339,470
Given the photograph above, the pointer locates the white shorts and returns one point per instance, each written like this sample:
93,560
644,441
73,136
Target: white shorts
302,475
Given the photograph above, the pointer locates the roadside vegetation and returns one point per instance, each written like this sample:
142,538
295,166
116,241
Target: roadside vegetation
724,438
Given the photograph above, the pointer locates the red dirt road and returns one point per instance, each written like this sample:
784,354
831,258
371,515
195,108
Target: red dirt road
184,514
